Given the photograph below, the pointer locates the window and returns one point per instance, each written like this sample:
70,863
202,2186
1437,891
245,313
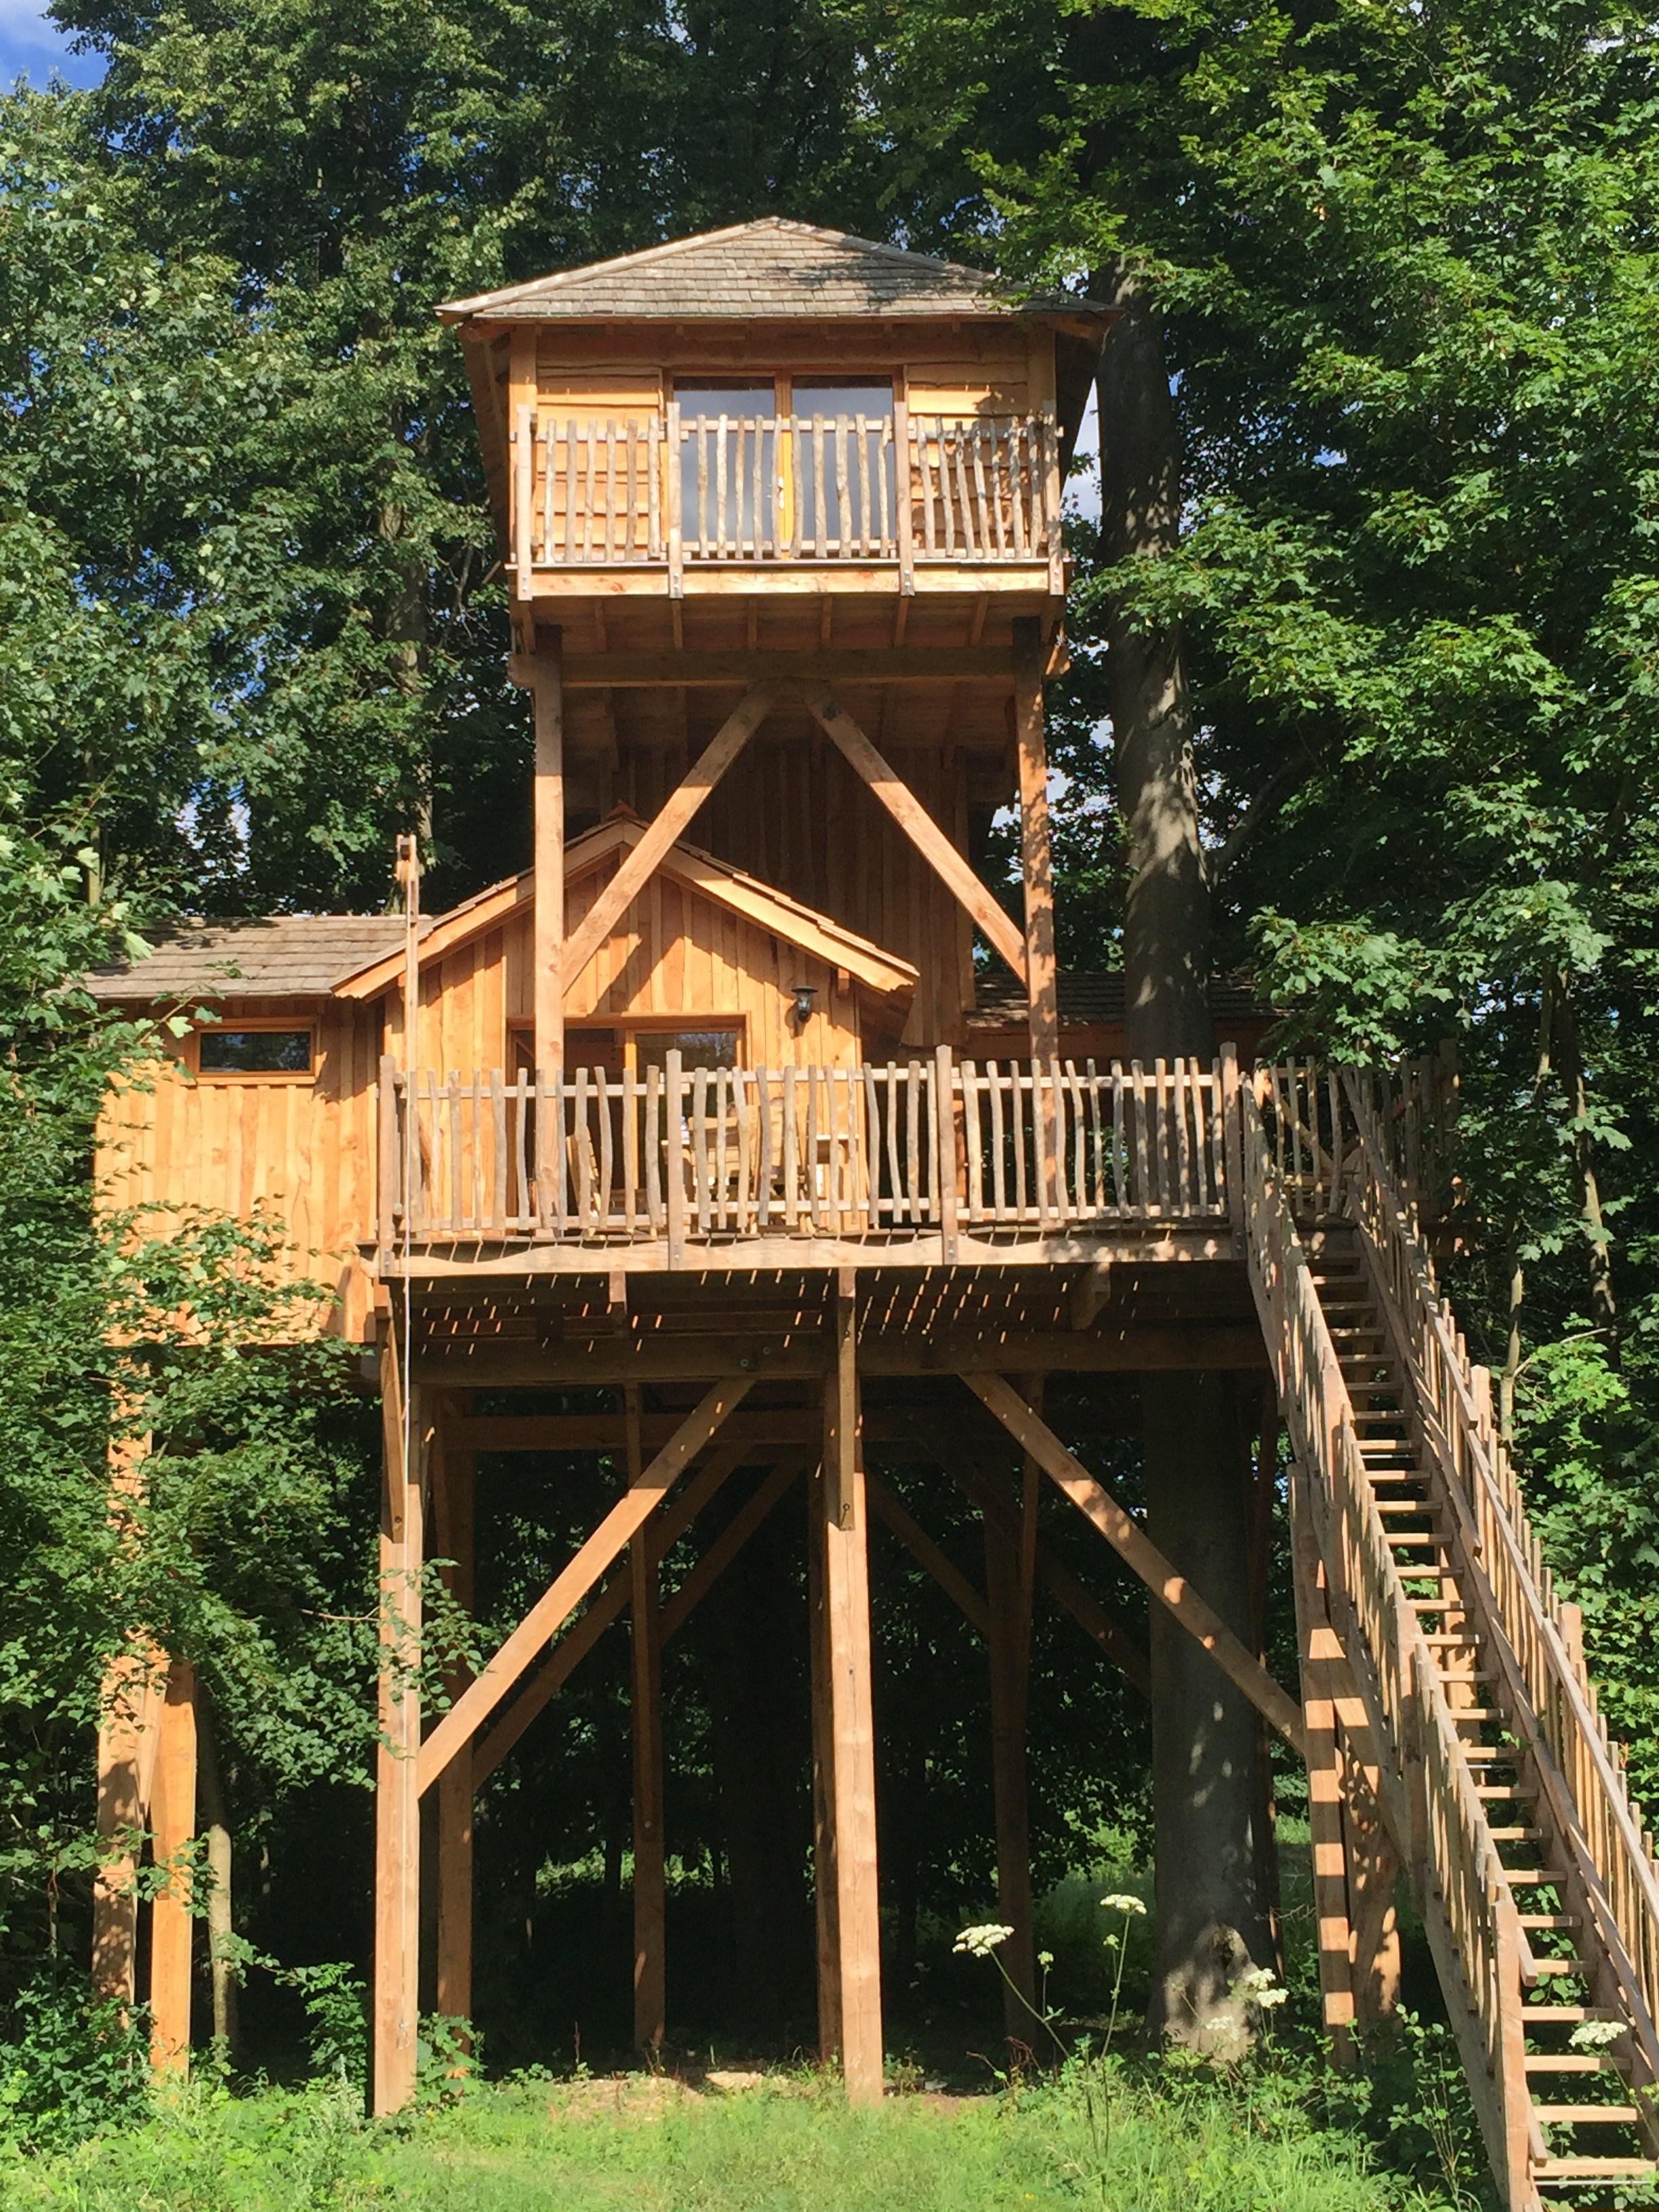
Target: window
728,468
696,1047
834,462
230,1051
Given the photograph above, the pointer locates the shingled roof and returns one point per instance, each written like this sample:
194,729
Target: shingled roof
773,269
289,955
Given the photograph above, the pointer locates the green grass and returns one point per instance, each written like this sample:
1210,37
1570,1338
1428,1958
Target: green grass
1169,2139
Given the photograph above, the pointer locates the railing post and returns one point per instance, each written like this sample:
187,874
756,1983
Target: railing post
675,543
902,488
674,1160
524,493
944,1150
1232,1110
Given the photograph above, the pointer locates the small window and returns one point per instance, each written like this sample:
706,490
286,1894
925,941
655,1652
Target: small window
255,1052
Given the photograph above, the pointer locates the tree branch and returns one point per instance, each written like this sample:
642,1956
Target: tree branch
1221,857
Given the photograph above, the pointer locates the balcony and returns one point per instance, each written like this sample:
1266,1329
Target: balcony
893,500
935,1161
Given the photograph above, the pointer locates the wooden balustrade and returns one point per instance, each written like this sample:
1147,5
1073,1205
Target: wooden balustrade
1512,1584
722,489
1425,1773
712,1154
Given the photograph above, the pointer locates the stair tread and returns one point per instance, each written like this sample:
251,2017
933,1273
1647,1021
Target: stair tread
1549,1919
1565,2062
1539,1875
1576,2115
1566,2015
1558,1966
1594,2169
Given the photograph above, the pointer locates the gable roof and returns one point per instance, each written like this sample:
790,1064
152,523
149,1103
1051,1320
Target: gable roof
755,272
759,902
284,956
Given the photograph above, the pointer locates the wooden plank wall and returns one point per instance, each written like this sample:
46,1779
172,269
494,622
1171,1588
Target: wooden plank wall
674,953
302,1147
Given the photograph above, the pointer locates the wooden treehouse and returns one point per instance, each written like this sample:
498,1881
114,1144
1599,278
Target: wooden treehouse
749,1102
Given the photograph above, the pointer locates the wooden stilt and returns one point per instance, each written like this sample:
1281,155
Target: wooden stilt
851,1719
454,1487
650,1983
1008,1592
215,1828
172,1820
397,1801
133,1693
1318,1648
825,1881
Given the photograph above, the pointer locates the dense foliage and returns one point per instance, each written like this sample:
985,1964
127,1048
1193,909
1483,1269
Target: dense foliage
251,624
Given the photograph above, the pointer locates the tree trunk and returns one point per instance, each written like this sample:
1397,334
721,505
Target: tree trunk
1212,1917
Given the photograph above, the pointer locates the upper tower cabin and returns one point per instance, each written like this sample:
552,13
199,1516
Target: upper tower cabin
683,444
780,476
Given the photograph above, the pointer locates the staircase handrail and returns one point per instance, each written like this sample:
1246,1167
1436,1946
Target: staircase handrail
1457,1869
1623,1880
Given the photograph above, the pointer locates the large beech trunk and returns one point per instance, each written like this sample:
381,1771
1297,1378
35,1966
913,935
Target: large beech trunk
1213,1921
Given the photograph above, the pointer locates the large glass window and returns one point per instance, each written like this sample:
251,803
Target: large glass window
728,470
846,475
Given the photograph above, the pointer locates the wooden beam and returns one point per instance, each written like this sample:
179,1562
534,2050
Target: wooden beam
1317,1645
1089,1293
921,1547
135,1685
650,1863
636,872
1036,864
917,823
851,1717
642,1357
453,1482
1136,1549
825,1885
397,1802
547,691
567,1591
609,1605
172,1824
957,664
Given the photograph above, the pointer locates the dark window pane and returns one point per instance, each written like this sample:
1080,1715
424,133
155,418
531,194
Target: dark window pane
696,1047
256,1052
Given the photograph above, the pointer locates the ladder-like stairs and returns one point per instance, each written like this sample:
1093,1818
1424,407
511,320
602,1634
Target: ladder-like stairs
1582,2105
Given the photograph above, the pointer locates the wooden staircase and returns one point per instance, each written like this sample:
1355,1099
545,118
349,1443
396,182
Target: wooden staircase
1493,1770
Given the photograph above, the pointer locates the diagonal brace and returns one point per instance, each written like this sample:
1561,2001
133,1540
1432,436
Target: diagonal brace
567,1591
1140,1553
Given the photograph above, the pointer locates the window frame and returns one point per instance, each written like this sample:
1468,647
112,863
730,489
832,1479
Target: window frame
286,1024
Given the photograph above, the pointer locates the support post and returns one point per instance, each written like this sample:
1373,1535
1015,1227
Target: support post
397,1801
173,1826
1009,1649
547,691
824,1884
128,1725
1036,866
852,1719
650,1870
454,1507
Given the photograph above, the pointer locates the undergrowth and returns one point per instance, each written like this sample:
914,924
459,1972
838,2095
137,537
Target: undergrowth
1149,2135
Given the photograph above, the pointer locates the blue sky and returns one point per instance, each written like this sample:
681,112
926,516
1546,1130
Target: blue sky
31,46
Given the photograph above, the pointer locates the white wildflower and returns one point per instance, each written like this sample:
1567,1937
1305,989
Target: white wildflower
1259,1985
1596,2035
979,1943
1118,1903
1045,1960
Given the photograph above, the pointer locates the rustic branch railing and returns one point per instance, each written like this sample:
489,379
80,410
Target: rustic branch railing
712,1154
1578,1761
1311,1129
725,489
1458,1874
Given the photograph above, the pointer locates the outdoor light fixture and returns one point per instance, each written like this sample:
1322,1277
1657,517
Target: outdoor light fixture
804,994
